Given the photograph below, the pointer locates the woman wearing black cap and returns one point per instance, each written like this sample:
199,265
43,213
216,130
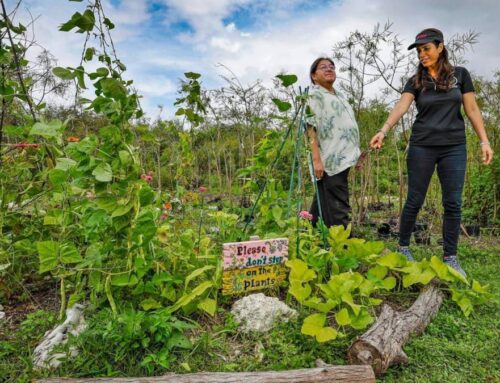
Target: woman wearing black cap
437,138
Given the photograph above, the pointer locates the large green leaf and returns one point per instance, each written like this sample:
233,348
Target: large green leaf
287,79
103,172
299,291
114,88
188,298
283,106
150,304
52,129
197,273
124,279
49,255
313,324
208,305
343,318
63,73
69,254
392,260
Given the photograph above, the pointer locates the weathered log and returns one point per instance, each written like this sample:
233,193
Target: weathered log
327,374
382,345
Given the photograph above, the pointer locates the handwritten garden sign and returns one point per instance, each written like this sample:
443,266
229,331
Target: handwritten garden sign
254,265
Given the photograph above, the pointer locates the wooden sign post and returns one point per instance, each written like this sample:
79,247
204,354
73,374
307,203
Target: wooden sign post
254,265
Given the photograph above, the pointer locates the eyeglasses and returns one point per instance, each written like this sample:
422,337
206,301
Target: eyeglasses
326,67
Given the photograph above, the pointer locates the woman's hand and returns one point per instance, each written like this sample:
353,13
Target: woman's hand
487,153
377,140
319,169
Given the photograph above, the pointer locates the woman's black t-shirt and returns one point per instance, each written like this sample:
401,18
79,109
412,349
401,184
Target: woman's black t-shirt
439,119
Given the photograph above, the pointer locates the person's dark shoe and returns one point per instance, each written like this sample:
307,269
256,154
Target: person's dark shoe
405,250
452,261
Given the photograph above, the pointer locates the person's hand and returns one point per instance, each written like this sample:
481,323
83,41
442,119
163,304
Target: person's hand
319,170
377,140
487,154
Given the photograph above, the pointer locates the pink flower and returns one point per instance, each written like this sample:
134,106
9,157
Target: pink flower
306,215
147,177
203,189
163,217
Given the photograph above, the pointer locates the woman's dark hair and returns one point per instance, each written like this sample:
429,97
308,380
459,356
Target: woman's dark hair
315,64
445,74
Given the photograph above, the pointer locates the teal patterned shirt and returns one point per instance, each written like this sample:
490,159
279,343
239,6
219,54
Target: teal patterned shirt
336,129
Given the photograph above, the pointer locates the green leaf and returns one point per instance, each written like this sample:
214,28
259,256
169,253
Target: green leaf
103,172
317,304
89,54
80,76
377,272
192,75
179,340
196,273
63,73
102,72
299,291
287,79
339,234
5,266
108,23
48,253
299,271
208,305
69,254
150,304
363,320
277,212
122,210
392,260
86,22
389,283
283,106
417,274
325,334
125,279
64,163
75,298
113,88
342,317
188,298
52,129
57,177
313,324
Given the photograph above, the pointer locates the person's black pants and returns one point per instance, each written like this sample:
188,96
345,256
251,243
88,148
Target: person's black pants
334,199
451,163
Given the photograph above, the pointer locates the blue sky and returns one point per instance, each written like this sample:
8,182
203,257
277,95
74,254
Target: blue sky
159,40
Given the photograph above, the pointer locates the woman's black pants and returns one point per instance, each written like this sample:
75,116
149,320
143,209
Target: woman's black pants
334,199
450,162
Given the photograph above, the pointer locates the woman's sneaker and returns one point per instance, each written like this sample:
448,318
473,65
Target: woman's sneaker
452,261
405,250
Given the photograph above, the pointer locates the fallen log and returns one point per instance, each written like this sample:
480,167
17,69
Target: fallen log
326,374
382,345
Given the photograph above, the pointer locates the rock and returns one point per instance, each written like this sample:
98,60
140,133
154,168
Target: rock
74,324
259,313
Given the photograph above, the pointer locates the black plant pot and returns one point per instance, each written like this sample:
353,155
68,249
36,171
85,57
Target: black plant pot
422,237
473,230
384,230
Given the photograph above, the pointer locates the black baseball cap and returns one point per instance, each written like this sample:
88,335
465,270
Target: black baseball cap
426,36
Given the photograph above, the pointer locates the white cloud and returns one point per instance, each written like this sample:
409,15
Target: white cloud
278,38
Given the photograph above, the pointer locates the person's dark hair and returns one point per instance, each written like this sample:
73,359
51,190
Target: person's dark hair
445,73
314,66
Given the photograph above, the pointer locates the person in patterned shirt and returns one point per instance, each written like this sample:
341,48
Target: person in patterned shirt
334,139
